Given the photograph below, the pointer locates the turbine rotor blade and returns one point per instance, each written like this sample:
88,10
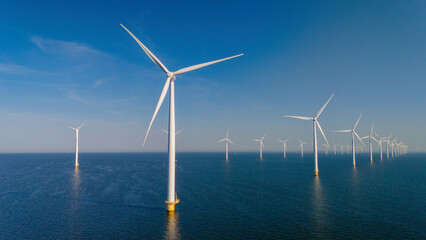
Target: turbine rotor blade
164,131
160,101
230,141
322,109
356,134
343,131
149,53
319,126
81,126
356,124
303,118
198,66
371,132
221,140
180,131
263,137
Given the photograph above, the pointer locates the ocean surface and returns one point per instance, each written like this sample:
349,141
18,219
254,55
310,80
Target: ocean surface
121,196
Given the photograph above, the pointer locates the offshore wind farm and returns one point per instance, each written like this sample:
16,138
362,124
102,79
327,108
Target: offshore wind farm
68,63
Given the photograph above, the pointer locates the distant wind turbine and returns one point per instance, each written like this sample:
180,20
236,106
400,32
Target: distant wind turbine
326,149
371,137
284,145
76,143
171,76
316,123
353,138
335,149
301,146
261,146
226,140
167,132
381,140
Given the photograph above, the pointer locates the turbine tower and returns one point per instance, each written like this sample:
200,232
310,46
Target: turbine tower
284,145
76,143
226,140
316,123
335,149
261,146
171,77
353,138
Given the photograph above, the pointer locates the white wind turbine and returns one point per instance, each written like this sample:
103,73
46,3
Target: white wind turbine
371,137
380,142
353,138
226,140
171,77
167,132
261,146
76,143
335,149
316,123
342,146
326,146
301,146
284,145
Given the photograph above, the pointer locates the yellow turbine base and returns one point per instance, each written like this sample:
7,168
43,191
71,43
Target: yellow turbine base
315,173
171,205
354,164
76,166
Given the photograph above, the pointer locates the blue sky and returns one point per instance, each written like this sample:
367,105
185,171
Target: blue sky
66,63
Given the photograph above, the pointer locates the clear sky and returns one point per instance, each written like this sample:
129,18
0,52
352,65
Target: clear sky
63,63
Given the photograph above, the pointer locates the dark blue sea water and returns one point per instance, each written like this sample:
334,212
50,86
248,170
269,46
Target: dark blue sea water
121,196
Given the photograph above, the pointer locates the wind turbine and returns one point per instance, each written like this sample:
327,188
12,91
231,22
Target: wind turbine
226,140
261,146
353,138
342,146
76,143
326,149
380,144
301,146
284,145
171,77
167,132
335,149
371,137
316,123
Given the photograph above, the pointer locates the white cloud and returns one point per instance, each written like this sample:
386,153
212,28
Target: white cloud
70,49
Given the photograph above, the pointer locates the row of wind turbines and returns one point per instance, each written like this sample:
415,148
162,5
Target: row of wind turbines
169,86
399,147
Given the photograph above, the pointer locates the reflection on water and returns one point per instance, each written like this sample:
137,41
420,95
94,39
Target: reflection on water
172,228
319,205
76,182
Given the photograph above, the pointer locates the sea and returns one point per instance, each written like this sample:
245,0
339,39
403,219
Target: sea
122,196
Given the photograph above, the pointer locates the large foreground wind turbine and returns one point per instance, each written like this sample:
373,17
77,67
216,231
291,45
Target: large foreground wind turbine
261,146
171,76
316,123
353,138
76,143
284,145
226,140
